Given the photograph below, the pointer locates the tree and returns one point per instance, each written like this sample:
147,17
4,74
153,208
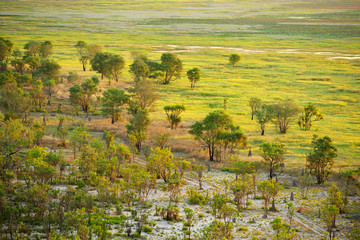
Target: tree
335,198
284,112
116,64
33,48
14,100
254,104
139,69
173,114
50,84
190,217
172,66
273,155
83,53
211,128
193,76
137,127
82,94
242,168
199,170
143,96
268,190
113,101
100,63
321,158
48,70
283,232
14,137
263,115
33,62
234,58
241,188
329,213
161,163
5,48
309,115
46,49
18,62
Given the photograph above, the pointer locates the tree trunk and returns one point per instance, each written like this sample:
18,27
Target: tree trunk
262,132
84,68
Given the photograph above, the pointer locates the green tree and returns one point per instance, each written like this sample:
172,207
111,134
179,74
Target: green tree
32,62
49,84
268,190
14,100
161,163
329,212
116,64
100,63
143,96
14,137
46,49
48,70
242,168
172,66
193,76
309,115
321,157
83,53
254,104
284,113
139,69
5,48
137,127
190,217
199,170
263,114
283,232
113,102
215,126
82,95
173,114
234,58
273,155
33,48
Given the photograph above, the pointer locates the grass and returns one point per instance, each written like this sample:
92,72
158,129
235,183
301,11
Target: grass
286,52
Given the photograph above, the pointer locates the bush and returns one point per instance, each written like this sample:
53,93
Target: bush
195,197
147,229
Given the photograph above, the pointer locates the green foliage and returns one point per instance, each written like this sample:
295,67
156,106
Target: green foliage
263,114
234,58
81,95
321,158
193,76
100,63
284,113
161,163
172,66
143,96
273,155
283,232
48,70
216,131
268,190
137,127
5,48
113,102
254,103
173,114
309,115
195,197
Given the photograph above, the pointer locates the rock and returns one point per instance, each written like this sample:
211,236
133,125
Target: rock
302,172
249,154
265,215
284,199
292,196
319,214
294,183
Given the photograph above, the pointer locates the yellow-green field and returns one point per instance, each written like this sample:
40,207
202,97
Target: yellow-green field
308,51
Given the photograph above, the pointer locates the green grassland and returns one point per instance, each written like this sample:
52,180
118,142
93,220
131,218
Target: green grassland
305,50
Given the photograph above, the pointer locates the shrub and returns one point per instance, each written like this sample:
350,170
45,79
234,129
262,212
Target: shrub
195,197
